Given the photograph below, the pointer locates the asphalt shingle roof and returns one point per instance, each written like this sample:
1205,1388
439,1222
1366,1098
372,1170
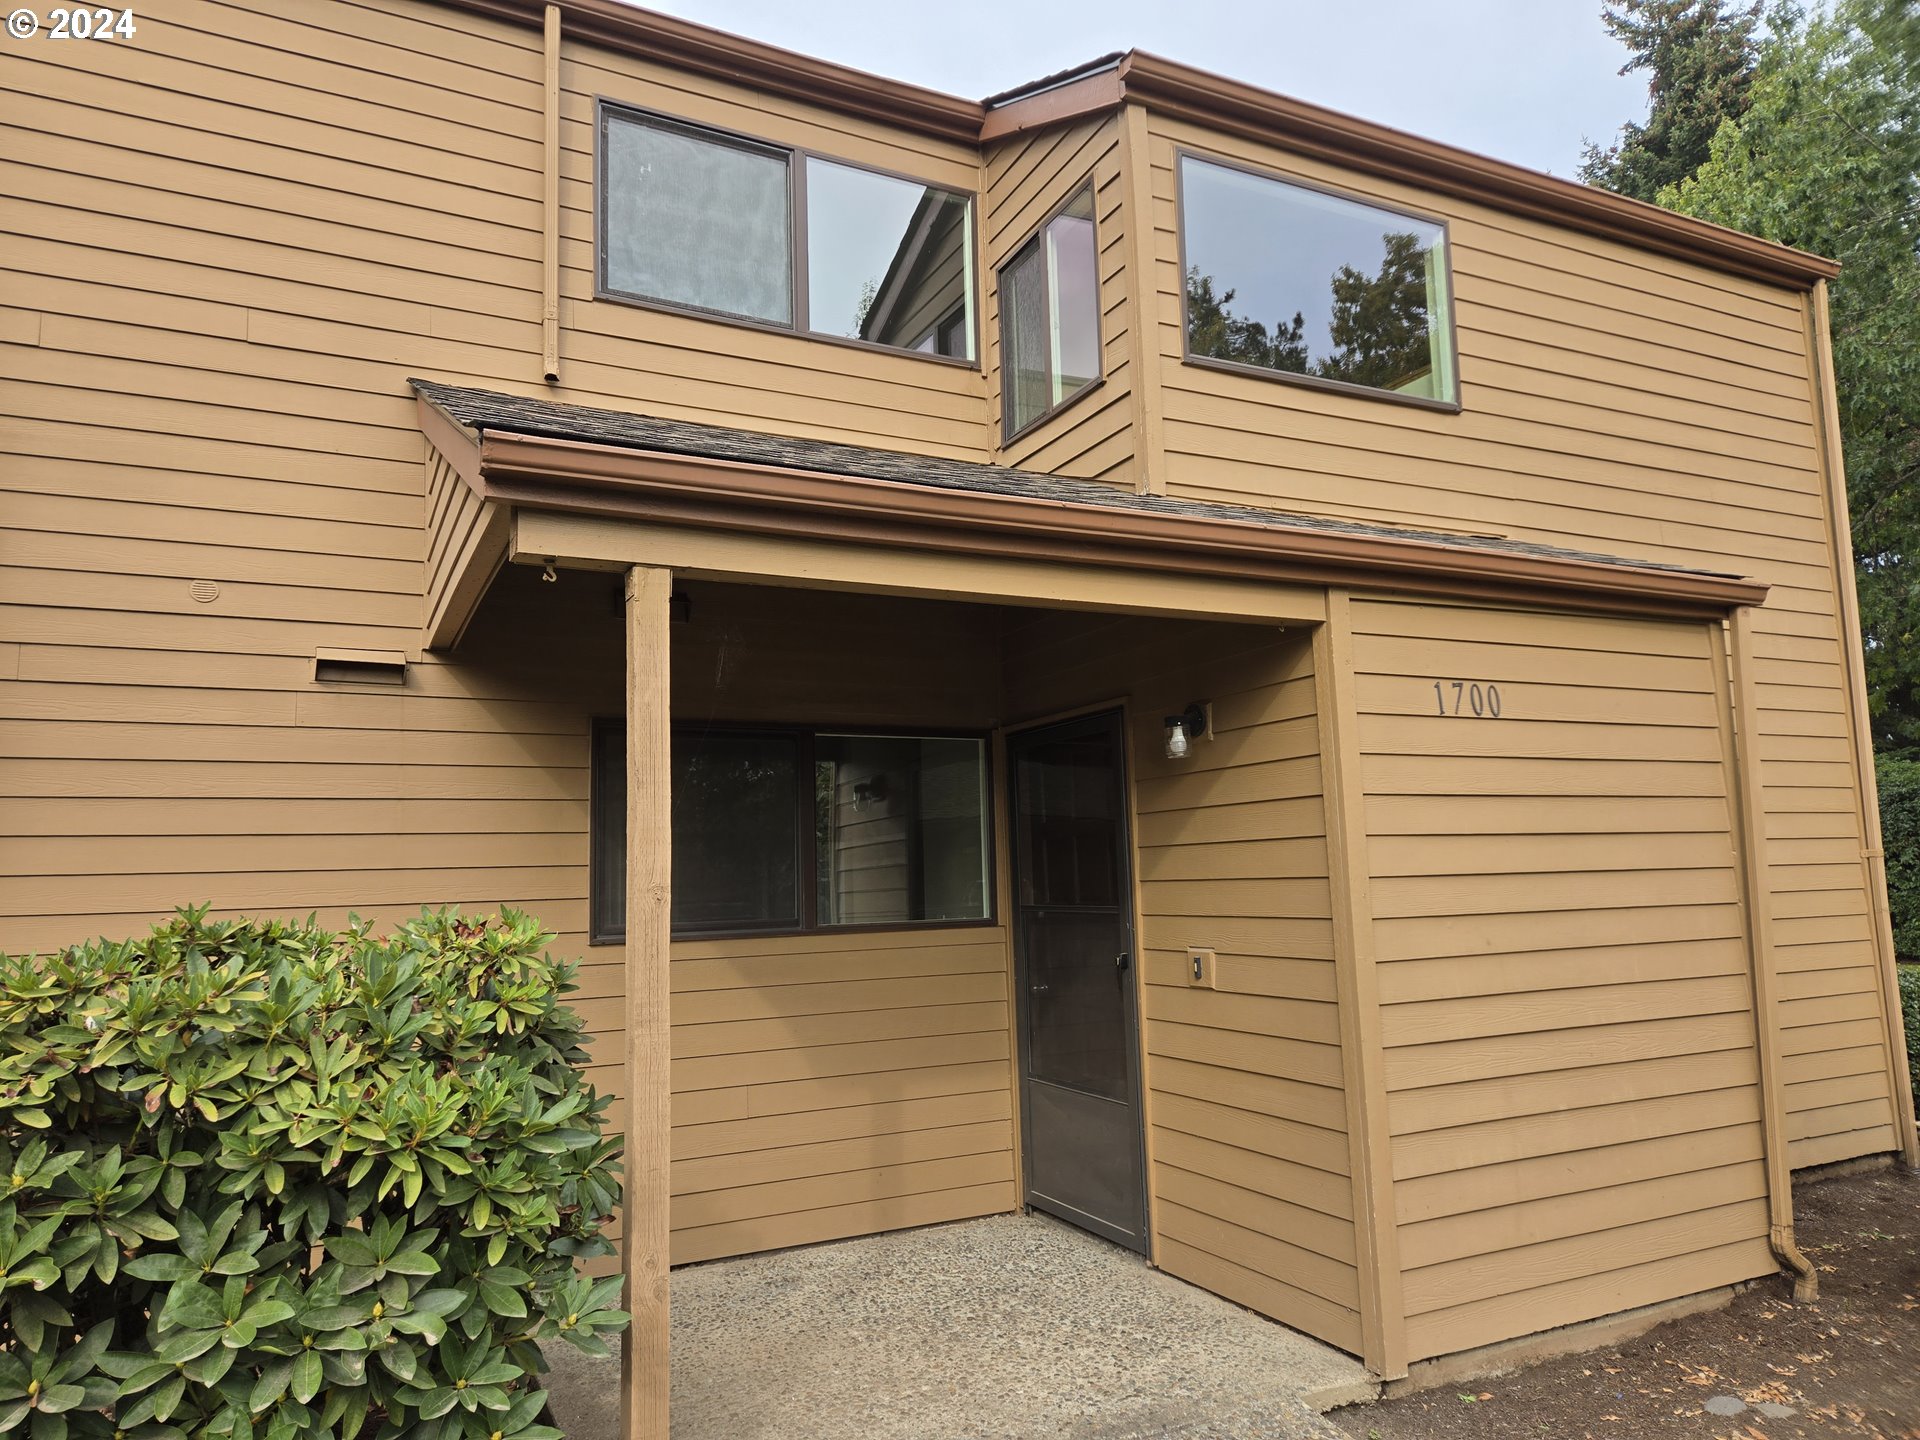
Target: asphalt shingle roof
483,410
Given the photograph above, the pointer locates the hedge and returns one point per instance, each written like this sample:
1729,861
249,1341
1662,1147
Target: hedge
262,1178
1900,835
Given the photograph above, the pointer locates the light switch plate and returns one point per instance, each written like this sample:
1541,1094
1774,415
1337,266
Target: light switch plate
1200,967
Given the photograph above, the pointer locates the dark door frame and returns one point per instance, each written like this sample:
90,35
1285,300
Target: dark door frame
1116,714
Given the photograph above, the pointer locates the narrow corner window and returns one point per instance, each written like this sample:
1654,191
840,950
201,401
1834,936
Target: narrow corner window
1291,279
889,261
1050,316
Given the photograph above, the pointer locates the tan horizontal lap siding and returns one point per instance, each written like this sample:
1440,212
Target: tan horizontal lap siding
1613,401
1566,1000
1247,1143
712,371
827,1086
226,248
1027,179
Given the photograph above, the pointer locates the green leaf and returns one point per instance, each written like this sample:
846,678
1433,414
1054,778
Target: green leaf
352,1249
162,1266
499,1298
179,1348
308,1375
57,1398
193,1306
337,1317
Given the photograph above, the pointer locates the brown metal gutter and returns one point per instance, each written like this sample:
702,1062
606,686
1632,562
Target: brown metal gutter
1178,90
1175,89
668,40
662,488
550,199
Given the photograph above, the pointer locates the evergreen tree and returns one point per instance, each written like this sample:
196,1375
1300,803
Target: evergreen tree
1699,56
1214,330
1379,324
1827,158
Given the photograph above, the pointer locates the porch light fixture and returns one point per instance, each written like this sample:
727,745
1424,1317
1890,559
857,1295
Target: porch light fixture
1183,729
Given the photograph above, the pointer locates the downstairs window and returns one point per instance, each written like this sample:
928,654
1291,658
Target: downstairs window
784,831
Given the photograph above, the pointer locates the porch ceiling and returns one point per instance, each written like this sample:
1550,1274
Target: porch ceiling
527,457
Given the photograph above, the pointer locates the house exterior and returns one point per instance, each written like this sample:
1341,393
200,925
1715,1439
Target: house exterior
1281,691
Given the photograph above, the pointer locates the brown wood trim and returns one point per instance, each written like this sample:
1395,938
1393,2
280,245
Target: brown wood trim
719,494
1077,99
1739,710
1873,857
1245,110
668,40
456,445
1383,1317
1143,331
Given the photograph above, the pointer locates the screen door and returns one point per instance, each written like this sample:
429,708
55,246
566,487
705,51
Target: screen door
1074,948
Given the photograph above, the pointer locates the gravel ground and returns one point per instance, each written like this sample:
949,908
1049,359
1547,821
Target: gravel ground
1764,1368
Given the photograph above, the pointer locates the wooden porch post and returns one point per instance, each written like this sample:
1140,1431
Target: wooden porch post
649,871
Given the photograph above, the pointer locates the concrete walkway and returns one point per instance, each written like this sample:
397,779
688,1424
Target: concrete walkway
1014,1326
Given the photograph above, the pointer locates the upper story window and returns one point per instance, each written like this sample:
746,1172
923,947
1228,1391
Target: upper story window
1290,279
1050,317
702,220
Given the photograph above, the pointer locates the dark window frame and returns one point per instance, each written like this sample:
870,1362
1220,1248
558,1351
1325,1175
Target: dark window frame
607,819
1182,154
1009,432
606,108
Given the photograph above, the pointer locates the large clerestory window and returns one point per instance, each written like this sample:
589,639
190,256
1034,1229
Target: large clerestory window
698,219
1298,282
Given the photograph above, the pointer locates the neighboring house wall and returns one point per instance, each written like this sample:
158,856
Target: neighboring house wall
1621,402
1027,179
1247,1119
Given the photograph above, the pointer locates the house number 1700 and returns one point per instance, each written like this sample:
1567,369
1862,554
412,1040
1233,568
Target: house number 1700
1467,697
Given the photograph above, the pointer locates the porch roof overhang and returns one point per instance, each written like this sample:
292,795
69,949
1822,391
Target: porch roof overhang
602,488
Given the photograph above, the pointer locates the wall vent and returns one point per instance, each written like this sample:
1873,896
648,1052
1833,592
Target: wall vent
359,667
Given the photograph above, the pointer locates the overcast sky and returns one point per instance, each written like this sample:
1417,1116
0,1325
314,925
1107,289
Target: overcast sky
1523,80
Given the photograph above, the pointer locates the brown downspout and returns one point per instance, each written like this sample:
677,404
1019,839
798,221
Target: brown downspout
550,208
1749,809
1873,857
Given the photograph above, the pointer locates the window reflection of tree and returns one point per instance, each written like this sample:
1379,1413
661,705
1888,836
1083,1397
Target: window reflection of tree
733,831
1379,324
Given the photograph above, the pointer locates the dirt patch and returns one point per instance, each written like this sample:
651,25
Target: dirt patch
1846,1365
